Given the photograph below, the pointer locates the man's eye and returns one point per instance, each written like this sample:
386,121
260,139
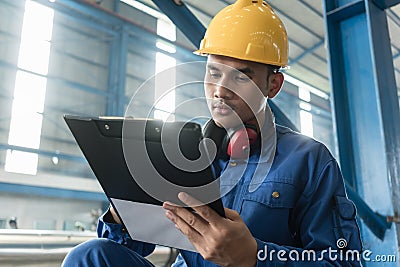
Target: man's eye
243,78
215,75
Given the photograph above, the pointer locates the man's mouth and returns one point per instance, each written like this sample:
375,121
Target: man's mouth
221,108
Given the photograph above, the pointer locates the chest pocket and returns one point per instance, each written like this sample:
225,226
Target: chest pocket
268,211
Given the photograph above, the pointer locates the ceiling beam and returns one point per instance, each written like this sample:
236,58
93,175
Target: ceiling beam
183,18
385,4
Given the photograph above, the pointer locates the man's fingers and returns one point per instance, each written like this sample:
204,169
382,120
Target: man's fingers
189,200
232,214
186,229
190,218
204,211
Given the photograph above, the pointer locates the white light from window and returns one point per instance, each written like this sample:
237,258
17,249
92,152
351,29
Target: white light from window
165,81
166,29
299,83
166,47
27,108
164,87
21,162
304,94
305,106
306,124
146,9
30,89
36,35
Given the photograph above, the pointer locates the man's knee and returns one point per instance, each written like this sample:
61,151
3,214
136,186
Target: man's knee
103,252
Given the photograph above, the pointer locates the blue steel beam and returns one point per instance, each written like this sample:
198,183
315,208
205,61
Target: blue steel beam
384,4
51,192
388,97
181,16
117,73
390,13
346,11
365,106
377,223
116,6
123,55
112,76
338,93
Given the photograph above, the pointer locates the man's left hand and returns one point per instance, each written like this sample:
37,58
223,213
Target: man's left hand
224,241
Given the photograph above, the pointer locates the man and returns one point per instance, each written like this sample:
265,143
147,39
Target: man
288,207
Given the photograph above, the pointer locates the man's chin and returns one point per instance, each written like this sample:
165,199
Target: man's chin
226,121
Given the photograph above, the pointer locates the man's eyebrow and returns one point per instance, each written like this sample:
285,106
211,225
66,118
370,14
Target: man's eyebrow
212,67
245,70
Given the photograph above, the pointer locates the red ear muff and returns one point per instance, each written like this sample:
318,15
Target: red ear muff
239,144
236,146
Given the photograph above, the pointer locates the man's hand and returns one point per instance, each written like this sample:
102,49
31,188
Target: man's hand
224,241
114,215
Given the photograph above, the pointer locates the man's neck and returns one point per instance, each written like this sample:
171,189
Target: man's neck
258,120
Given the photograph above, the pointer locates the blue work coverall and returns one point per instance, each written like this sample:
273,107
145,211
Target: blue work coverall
299,214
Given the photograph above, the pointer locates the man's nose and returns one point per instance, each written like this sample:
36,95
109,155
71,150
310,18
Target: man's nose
222,91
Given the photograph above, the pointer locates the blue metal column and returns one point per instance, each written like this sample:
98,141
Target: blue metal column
366,108
117,73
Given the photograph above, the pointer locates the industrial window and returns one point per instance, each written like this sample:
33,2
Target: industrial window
306,123
165,84
30,88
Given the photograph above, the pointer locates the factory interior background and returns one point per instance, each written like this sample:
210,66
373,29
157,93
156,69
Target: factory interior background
89,58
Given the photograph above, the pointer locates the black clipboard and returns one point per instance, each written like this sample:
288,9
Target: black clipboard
102,143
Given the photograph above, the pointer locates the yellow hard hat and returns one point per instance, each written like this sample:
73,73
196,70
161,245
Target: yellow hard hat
248,30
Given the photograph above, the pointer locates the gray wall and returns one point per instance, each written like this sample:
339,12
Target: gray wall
45,213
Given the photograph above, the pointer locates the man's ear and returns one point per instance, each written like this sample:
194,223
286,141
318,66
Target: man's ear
275,82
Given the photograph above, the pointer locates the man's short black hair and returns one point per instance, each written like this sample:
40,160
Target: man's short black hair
273,68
